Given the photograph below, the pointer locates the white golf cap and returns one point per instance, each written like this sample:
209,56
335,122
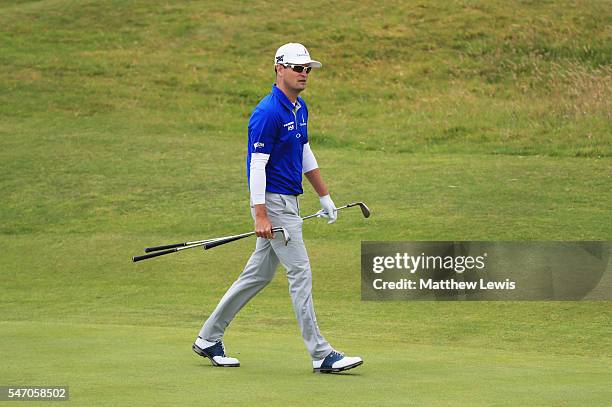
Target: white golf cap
294,53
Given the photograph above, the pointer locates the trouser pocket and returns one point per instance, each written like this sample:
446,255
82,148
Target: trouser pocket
291,205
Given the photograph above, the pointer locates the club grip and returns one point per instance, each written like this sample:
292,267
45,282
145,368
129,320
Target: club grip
158,248
151,255
219,242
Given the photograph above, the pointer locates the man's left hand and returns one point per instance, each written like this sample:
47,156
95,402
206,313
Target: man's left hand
329,210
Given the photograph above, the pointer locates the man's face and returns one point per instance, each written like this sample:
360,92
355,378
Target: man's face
292,79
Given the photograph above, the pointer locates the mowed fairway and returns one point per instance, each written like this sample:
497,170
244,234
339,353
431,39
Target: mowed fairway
145,365
123,125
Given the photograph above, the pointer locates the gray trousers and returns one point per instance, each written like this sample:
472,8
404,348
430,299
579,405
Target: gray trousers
283,210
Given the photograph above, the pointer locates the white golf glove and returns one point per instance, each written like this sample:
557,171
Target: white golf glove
329,210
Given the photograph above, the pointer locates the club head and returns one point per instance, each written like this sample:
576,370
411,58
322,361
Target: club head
364,208
286,235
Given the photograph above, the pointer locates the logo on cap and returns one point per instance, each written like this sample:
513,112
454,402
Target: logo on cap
279,58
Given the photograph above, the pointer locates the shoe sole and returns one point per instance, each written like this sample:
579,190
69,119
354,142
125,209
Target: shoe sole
337,369
200,352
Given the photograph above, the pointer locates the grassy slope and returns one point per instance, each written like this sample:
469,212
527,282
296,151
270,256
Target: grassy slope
122,125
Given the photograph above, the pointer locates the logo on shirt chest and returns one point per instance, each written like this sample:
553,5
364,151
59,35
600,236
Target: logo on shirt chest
290,126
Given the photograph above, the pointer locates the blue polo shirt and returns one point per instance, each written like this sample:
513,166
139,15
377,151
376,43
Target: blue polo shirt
278,128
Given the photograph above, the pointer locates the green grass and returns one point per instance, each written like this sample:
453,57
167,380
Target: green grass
122,125
147,365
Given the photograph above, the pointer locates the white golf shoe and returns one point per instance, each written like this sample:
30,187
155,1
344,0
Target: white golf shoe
215,351
335,362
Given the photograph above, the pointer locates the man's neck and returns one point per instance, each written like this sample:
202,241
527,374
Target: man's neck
291,95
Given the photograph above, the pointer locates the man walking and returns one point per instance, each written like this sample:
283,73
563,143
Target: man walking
278,154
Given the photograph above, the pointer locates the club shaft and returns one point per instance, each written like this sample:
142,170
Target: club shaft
314,215
165,247
224,240
180,246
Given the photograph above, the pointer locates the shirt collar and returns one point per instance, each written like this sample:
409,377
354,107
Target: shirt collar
284,99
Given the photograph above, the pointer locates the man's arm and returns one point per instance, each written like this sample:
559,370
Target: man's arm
263,226
310,168
264,128
313,174
316,180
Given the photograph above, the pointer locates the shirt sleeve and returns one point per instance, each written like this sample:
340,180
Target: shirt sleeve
257,183
309,162
263,131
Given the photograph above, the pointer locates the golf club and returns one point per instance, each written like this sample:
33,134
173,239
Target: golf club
156,251
171,246
224,240
218,242
364,210
206,244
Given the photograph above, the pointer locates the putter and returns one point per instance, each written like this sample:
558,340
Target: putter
206,244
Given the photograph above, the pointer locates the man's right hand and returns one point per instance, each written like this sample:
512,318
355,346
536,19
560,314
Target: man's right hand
263,226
